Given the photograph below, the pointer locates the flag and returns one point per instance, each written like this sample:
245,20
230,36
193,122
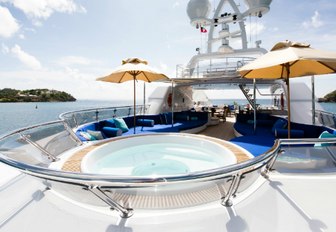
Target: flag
203,30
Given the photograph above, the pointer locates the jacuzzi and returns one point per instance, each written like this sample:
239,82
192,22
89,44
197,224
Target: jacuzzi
157,156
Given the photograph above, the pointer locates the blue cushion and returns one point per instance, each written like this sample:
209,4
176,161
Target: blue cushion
169,118
109,123
163,119
96,134
86,136
193,118
120,123
181,116
325,135
283,133
279,124
145,122
112,131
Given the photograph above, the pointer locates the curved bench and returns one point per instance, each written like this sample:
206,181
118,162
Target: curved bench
269,128
185,121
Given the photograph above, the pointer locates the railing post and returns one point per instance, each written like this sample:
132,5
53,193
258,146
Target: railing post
75,120
72,134
270,164
227,200
98,192
44,151
97,118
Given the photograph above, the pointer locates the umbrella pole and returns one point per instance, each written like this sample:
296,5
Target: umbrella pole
254,106
134,121
288,103
313,98
172,106
144,100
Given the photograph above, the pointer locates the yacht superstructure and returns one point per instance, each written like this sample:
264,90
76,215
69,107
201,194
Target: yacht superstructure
59,176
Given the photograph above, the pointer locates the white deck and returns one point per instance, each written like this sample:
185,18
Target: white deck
282,203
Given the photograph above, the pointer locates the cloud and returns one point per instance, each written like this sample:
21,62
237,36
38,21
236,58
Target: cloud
163,66
8,24
176,4
39,10
315,21
27,59
75,60
4,49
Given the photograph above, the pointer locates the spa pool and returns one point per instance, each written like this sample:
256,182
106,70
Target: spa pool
157,155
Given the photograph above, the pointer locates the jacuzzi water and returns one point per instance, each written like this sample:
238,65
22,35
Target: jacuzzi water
157,155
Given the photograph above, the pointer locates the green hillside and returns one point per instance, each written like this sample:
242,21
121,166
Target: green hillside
34,95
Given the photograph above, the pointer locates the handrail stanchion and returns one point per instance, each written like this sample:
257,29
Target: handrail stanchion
98,192
72,134
270,164
227,200
44,151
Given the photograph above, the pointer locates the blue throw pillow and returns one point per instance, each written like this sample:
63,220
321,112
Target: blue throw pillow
279,124
96,134
109,123
121,124
325,135
112,131
193,118
169,118
163,119
145,122
86,136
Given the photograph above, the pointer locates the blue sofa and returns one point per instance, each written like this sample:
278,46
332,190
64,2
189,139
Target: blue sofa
269,128
160,123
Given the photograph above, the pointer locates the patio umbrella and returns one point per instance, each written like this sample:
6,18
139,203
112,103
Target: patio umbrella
290,59
133,69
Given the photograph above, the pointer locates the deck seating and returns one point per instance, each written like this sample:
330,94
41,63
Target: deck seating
269,128
160,123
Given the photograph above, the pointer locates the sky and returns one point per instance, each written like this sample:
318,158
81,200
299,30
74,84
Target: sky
66,44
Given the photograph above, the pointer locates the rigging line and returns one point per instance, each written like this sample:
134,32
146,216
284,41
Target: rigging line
250,30
256,28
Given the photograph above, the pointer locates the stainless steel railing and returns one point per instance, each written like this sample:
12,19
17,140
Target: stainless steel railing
80,117
32,150
326,118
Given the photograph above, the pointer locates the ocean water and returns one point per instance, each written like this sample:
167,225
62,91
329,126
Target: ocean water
18,115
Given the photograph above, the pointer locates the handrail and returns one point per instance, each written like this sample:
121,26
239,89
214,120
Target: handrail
62,116
126,181
100,184
326,118
29,127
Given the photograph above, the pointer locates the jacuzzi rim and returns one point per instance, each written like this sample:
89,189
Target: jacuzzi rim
218,143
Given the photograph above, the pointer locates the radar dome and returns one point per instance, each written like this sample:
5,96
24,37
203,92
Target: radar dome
257,7
198,11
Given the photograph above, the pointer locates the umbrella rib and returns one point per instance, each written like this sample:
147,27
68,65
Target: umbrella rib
146,76
122,77
282,70
246,73
327,66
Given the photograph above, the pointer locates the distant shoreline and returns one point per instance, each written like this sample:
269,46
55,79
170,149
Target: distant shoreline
8,95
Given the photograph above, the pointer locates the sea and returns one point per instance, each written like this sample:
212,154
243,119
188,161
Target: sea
14,116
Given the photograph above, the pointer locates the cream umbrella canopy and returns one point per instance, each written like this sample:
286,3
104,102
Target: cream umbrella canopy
134,69
288,60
